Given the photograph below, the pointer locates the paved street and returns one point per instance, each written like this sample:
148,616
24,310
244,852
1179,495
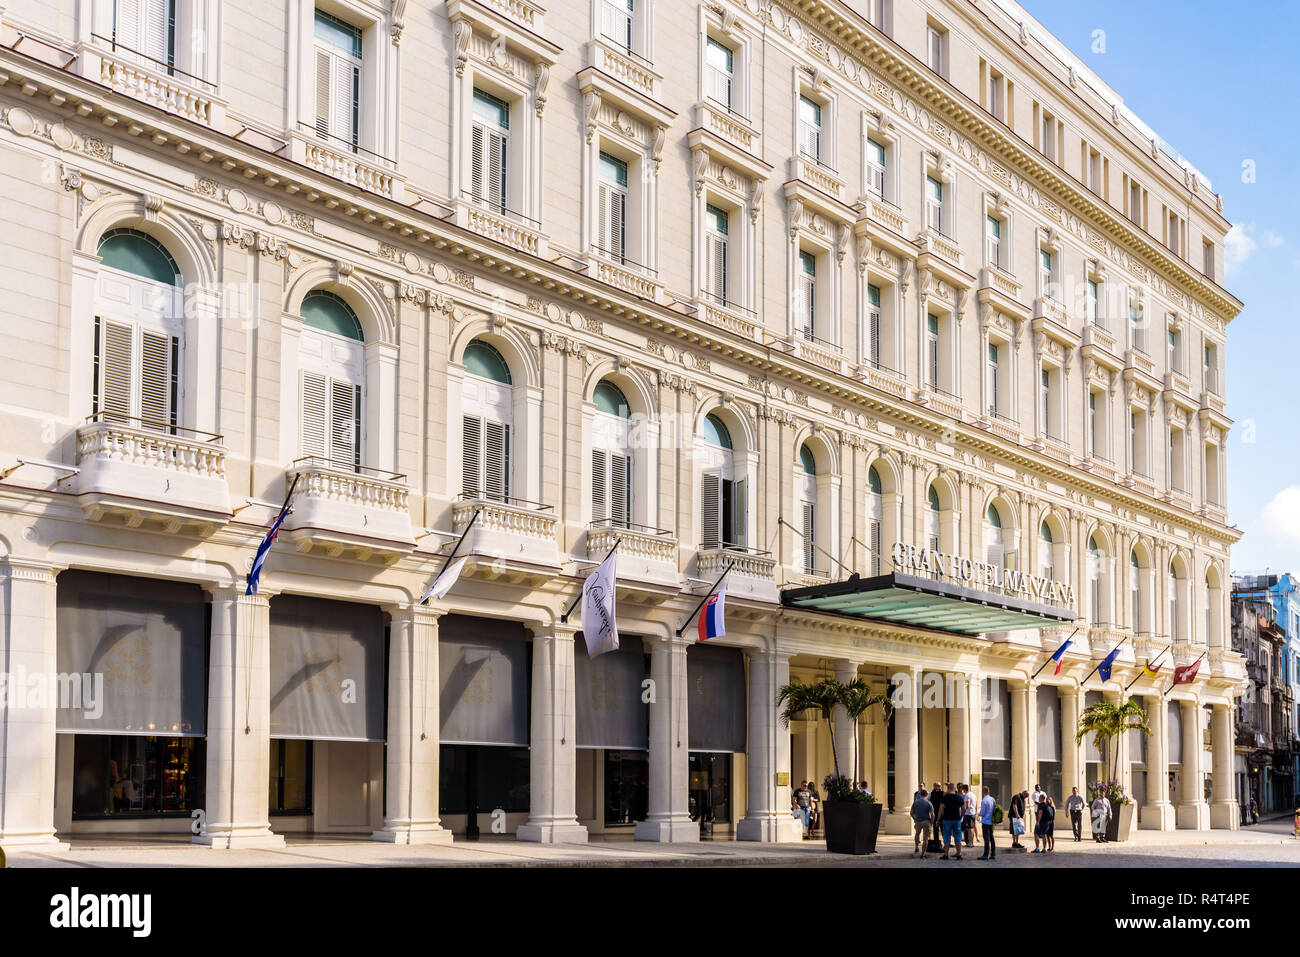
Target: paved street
1267,844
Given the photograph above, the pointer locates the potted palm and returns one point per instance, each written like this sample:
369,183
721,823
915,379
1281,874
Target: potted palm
1108,721
852,818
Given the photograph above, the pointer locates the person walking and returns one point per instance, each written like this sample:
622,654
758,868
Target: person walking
1254,811
1036,809
953,810
1100,815
968,814
936,798
986,826
803,802
1074,807
1049,824
922,812
815,810
1295,826
1016,818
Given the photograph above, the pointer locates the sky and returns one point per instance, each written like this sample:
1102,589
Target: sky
1217,82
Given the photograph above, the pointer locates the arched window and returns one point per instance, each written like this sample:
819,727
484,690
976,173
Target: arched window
487,413
875,519
137,345
722,489
611,457
993,536
1046,548
932,519
1135,589
332,376
1095,563
805,481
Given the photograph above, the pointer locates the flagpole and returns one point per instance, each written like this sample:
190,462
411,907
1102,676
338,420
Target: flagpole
707,596
1139,677
283,509
1112,651
1174,684
1049,657
565,617
455,548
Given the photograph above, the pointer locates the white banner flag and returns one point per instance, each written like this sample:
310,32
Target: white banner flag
598,624
442,584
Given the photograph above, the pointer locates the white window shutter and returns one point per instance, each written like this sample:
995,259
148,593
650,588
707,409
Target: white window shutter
116,348
736,535
315,415
934,361
323,98
603,226
155,380
343,100
717,267
809,537
476,157
618,488
873,535
472,452
617,222
710,498
495,168
345,423
873,335
495,458
599,486
155,30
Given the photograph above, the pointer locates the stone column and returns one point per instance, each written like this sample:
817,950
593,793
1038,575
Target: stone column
414,719
1158,815
1022,735
1224,811
28,648
907,768
553,767
959,729
975,725
1072,764
239,723
767,803
669,818
845,671
1193,811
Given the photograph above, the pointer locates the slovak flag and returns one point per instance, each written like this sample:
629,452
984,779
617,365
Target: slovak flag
1059,654
259,559
713,615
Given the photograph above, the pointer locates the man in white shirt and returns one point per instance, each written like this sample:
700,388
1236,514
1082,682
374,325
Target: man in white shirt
968,815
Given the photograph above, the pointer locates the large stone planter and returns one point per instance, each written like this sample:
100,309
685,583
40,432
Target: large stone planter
851,828
1121,822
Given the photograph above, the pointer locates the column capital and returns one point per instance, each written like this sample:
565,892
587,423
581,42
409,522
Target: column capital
420,614
235,593
564,631
30,569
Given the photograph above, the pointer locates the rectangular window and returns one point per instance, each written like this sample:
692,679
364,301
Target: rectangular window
1092,169
1045,401
611,491
338,80
719,73
486,457
715,253
810,129
997,95
1094,303
146,28
1046,273
1094,446
1207,259
993,242
936,43
612,212
1210,369
875,160
617,21
1047,135
873,325
136,376
331,420
489,157
289,790
995,385
932,351
806,296
1137,331
724,511
934,204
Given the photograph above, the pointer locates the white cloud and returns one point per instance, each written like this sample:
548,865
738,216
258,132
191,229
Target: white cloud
1238,246
1280,518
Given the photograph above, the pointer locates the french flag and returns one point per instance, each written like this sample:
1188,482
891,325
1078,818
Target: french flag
712,616
1059,654
259,559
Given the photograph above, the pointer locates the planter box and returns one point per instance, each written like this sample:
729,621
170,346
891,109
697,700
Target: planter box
851,828
1121,823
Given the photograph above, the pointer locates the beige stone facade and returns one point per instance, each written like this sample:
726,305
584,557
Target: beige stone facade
903,252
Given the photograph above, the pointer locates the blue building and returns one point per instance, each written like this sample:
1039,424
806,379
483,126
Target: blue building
1283,593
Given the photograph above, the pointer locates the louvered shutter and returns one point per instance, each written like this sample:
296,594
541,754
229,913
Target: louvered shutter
343,101
873,534
494,458
323,98
616,242
736,534
809,536
618,488
599,480
993,547
711,500
155,30
126,24
603,227
115,365
472,449
345,423
495,147
933,350
315,415
156,380
873,334
717,266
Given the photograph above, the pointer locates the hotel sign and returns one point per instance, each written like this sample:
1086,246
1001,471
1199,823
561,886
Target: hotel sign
978,574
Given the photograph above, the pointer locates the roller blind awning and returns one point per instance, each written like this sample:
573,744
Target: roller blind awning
926,603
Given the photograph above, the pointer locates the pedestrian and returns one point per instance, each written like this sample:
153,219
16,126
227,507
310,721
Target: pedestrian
815,809
968,814
1016,817
1049,823
1295,826
1036,807
953,809
922,813
1038,796
1110,813
803,801
1100,815
1254,811
986,826
1074,806
936,798
862,788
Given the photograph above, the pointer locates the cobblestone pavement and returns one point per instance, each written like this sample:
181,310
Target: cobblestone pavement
1267,844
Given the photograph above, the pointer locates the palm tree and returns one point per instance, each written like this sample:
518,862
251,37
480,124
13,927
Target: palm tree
822,696
1108,721
857,699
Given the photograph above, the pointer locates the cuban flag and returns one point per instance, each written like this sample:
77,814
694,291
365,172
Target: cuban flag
1104,668
713,615
259,559
1059,654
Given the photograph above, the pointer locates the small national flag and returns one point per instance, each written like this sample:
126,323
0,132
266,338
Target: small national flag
1148,669
1187,673
1104,668
255,573
599,626
1059,654
713,615
446,578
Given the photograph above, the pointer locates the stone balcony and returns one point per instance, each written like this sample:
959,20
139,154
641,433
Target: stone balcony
141,473
727,315
940,401
501,225
752,576
134,75
509,530
630,277
883,378
1213,402
824,355
338,508
528,15
645,555
931,240
1001,282
634,72
336,159
880,212
729,127
1045,307
819,177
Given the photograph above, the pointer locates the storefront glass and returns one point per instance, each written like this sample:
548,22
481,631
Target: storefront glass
710,787
627,787
290,778
136,775
483,778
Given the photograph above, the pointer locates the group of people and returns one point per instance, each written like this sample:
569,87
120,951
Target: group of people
805,804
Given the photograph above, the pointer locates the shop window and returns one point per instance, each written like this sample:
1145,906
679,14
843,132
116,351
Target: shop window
127,775
289,790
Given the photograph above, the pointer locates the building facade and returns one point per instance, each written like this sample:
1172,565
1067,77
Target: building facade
781,290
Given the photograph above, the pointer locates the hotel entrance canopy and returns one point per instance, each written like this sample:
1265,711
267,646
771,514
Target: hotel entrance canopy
919,602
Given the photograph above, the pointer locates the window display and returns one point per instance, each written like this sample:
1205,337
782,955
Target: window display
137,776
